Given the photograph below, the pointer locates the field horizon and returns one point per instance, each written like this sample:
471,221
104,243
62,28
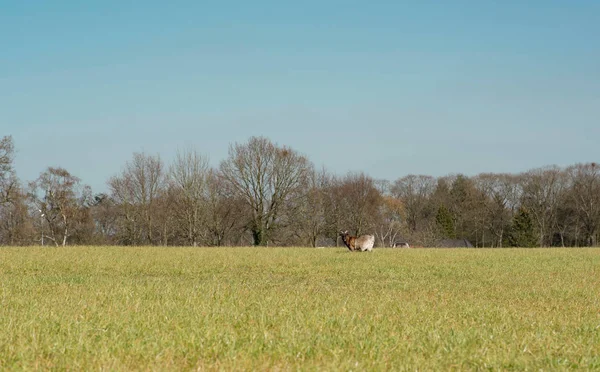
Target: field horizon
232,308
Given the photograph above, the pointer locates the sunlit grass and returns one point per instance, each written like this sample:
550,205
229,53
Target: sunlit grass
114,308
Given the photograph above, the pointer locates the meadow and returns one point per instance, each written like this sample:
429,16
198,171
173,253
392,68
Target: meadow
151,308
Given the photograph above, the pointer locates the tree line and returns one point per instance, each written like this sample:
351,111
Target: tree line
265,194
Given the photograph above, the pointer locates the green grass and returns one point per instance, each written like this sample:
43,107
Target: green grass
110,308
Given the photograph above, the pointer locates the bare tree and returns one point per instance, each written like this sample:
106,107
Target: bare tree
542,189
360,202
105,214
60,199
502,193
267,177
7,153
15,227
390,221
332,207
310,218
567,224
9,184
414,191
188,176
227,212
383,186
136,191
586,198
128,221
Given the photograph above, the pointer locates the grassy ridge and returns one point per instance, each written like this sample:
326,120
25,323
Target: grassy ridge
268,308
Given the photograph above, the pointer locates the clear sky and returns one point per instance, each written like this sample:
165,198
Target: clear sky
386,87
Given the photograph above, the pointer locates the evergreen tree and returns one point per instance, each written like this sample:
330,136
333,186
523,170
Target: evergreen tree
445,222
522,233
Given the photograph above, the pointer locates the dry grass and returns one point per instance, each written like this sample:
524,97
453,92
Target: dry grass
111,308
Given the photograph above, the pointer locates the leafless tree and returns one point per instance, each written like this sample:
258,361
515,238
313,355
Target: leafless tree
502,195
586,198
309,220
60,199
360,202
414,191
188,177
129,221
136,192
383,186
567,223
227,213
105,214
542,189
84,229
14,224
9,183
391,221
264,194
267,176
7,152
332,197
16,228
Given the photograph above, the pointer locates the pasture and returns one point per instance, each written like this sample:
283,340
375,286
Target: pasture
147,308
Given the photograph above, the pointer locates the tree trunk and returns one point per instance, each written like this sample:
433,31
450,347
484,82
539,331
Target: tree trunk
258,236
64,242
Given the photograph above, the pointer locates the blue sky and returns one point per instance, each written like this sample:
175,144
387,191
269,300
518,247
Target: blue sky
389,88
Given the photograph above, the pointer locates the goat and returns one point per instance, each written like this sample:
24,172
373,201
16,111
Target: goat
358,243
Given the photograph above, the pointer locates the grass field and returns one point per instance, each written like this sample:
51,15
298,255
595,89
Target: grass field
110,308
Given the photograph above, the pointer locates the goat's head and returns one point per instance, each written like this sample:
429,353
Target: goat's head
348,240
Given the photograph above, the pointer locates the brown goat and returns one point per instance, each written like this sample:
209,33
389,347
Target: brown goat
358,243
